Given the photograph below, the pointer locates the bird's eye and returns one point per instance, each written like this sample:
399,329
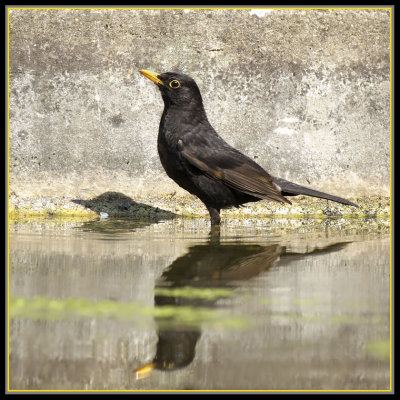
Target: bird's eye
174,84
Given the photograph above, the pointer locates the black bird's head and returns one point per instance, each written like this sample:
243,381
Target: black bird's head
176,88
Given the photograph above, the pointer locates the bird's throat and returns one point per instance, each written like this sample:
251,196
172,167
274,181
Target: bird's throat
176,118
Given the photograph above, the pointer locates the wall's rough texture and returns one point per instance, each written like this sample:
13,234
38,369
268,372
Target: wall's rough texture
304,92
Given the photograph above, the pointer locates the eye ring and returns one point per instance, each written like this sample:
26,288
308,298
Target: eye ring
174,84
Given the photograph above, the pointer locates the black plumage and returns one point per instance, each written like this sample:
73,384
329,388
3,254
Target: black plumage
200,161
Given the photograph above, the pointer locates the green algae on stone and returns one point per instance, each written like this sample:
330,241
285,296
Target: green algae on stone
190,292
49,309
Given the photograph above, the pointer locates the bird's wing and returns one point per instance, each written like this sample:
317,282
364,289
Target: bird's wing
219,161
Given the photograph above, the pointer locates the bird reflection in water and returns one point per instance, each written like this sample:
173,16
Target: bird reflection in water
212,265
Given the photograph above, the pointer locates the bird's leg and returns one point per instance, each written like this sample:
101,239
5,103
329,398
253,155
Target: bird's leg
215,235
214,214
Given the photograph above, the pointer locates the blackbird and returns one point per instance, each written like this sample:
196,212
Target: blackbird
201,162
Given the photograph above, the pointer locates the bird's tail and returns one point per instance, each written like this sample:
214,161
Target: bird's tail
292,189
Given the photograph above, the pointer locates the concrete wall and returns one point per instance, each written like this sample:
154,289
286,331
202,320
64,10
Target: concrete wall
306,93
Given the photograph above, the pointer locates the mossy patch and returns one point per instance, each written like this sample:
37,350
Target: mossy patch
190,292
49,309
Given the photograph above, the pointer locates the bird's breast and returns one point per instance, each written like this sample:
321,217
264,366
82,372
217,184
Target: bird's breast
168,152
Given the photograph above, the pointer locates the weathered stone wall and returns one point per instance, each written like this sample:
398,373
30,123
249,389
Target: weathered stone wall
306,93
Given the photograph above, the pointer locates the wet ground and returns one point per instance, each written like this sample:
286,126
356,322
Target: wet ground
273,305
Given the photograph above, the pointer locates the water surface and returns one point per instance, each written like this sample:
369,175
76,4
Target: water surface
125,305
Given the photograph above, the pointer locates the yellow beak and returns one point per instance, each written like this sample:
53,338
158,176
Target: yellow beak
144,371
153,76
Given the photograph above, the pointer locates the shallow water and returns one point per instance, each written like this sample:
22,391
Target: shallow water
124,305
